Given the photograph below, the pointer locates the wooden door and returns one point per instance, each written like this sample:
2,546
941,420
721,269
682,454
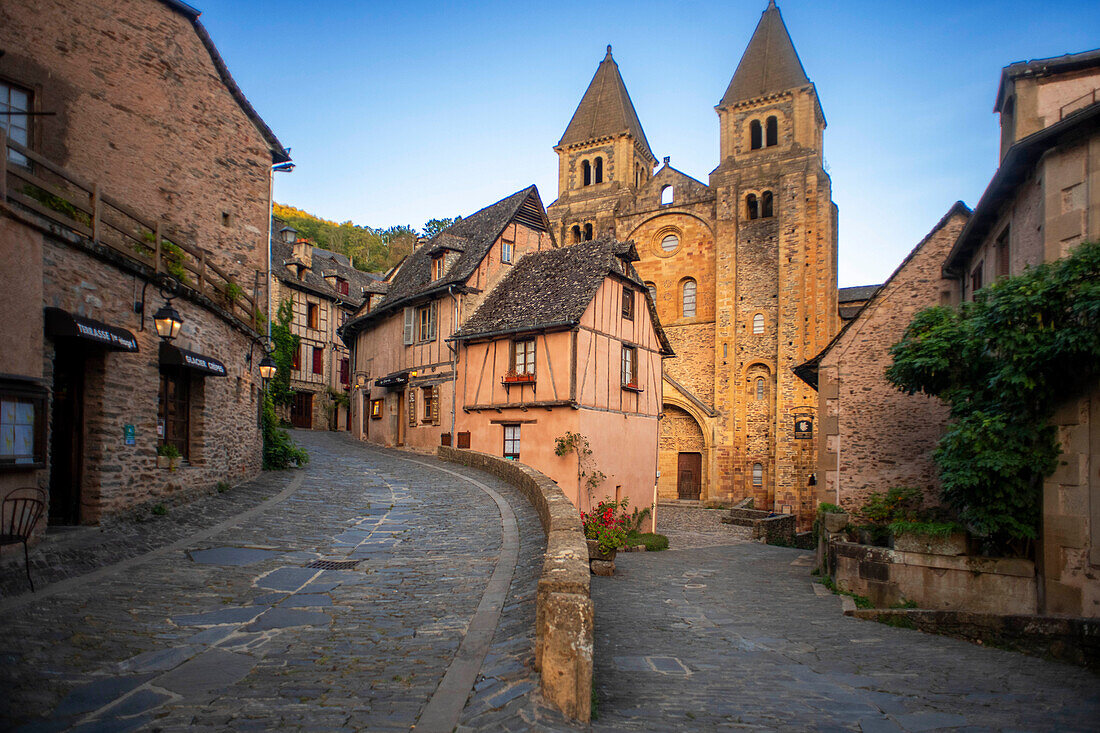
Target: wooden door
67,450
301,410
689,475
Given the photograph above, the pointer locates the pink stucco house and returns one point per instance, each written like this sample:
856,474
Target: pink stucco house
493,338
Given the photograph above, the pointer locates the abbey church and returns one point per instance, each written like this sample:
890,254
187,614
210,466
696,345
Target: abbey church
743,268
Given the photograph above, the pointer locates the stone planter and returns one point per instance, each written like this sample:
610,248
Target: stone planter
595,554
834,522
953,544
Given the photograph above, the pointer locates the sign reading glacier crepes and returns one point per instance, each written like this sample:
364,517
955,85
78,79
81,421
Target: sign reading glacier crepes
199,362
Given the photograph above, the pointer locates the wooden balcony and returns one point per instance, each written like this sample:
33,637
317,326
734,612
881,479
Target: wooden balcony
67,200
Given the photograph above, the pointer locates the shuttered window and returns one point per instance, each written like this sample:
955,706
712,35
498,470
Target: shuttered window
410,315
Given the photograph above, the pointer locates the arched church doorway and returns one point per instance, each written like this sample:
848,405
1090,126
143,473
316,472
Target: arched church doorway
682,449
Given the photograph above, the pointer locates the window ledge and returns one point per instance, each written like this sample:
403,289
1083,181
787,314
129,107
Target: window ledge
632,388
518,379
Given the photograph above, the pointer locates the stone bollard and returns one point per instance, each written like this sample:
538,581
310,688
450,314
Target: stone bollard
831,526
565,627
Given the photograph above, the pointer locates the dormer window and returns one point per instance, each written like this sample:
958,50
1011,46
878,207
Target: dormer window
506,248
628,303
437,267
342,286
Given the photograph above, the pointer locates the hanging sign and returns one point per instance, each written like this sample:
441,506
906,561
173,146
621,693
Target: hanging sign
803,428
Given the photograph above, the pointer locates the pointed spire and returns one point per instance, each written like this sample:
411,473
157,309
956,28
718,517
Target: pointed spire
605,110
770,63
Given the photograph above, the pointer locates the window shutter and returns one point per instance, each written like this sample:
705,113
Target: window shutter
410,314
412,407
435,405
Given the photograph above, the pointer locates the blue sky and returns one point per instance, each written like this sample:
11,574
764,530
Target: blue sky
398,112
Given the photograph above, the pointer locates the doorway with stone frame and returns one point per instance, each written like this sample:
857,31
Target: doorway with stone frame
682,456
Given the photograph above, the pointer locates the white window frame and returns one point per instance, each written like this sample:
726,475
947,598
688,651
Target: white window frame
511,440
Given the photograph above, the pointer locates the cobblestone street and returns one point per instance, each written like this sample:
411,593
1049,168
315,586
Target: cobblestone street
236,629
735,636
211,617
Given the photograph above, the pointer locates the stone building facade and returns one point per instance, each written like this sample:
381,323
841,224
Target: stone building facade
325,292
871,436
1043,200
742,268
142,165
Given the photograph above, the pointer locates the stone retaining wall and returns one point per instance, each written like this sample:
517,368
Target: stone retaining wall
564,611
942,582
1075,640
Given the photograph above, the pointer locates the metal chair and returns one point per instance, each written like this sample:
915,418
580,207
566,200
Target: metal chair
22,508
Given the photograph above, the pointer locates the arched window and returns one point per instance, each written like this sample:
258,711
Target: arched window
760,388
752,208
576,231
772,132
688,309
666,195
757,474
670,242
758,324
586,173
754,135
765,204
637,175
588,232
652,291
599,170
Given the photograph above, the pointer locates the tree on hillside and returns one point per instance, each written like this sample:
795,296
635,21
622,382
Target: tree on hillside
369,249
435,226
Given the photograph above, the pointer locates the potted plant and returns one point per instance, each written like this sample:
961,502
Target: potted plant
168,456
604,531
514,377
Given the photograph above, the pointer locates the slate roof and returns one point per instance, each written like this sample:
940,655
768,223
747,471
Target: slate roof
807,371
769,64
859,292
1016,168
552,288
478,232
324,262
1044,67
605,110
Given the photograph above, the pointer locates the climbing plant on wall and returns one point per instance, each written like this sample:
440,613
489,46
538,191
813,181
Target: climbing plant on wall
285,344
1003,364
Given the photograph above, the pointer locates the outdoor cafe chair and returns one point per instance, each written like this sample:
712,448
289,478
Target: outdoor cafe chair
22,508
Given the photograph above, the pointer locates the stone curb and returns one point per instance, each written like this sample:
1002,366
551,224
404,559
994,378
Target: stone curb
564,611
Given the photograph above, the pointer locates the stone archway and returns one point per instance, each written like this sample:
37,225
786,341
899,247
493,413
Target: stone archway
682,456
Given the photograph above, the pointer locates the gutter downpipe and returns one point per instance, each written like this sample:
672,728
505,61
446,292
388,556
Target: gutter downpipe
454,367
285,167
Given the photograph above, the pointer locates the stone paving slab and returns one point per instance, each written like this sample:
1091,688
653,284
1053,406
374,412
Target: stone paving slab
733,637
241,640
